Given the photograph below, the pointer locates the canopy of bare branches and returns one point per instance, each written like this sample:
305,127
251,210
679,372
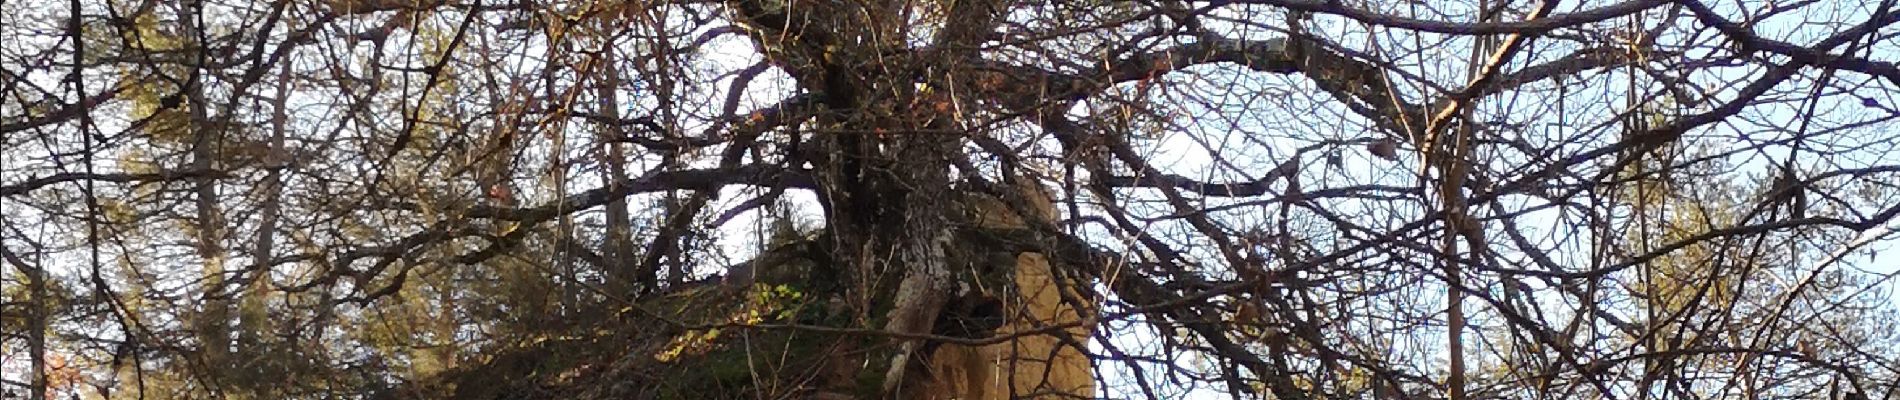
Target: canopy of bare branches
1280,199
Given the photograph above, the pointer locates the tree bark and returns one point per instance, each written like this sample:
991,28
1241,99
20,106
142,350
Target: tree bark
619,244
212,322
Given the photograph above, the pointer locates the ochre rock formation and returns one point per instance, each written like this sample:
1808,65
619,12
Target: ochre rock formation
1037,361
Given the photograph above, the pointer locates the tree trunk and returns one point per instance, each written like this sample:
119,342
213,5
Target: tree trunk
213,332
619,243
37,317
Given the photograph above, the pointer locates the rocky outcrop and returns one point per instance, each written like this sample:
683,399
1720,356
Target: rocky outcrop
1041,354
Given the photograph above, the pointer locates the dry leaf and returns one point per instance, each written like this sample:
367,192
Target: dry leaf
1384,148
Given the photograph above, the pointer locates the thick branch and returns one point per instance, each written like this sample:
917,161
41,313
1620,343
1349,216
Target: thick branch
695,179
1361,85
1533,26
1813,56
36,183
61,115
1255,187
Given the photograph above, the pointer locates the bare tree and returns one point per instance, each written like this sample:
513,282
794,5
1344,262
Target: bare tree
1286,199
